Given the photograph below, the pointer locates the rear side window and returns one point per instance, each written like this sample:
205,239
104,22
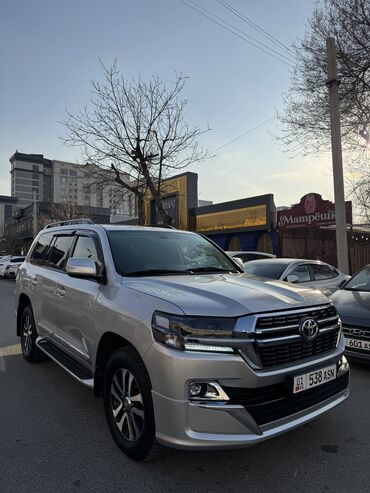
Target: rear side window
59,251
301,271
321,272
40,252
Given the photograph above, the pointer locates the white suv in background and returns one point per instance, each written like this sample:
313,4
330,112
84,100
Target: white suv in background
182,345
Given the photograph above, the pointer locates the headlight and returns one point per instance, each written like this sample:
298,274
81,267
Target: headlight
193,333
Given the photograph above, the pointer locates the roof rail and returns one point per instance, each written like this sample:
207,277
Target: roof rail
70,221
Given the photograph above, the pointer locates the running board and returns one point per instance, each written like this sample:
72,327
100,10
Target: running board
71,366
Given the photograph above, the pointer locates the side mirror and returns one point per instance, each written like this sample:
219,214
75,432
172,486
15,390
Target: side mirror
292,278
239,261
81,267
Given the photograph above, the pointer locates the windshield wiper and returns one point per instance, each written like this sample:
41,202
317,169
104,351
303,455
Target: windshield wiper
154,272
209,269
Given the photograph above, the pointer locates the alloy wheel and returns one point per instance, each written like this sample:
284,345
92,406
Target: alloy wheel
127,404
27,333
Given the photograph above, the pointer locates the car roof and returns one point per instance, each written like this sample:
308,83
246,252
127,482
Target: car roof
253,252
289,261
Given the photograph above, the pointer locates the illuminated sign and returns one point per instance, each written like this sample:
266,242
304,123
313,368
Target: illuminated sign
247,217
252,213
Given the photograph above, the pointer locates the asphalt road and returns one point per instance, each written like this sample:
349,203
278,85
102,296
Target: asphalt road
53,438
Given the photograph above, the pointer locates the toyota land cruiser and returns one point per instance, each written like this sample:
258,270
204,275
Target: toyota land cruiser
182,346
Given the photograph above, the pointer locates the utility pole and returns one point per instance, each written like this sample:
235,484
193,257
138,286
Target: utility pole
336,149
34,214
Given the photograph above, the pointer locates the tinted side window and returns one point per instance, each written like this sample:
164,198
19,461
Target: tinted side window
301,271
86,247
41,250
58,252
320,272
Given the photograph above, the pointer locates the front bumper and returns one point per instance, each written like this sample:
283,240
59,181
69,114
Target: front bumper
363,357
185,424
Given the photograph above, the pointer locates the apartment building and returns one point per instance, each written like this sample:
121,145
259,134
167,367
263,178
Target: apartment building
30,174
60,182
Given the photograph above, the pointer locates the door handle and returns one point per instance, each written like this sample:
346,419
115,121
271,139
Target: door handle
60,292
34,282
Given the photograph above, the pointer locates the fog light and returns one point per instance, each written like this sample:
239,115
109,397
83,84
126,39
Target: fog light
343,365
207,391
195,389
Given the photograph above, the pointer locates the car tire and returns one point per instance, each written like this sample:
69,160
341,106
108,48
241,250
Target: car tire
28,335
128,403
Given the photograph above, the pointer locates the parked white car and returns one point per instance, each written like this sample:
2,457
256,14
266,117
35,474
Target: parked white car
310,273
12,261
11,269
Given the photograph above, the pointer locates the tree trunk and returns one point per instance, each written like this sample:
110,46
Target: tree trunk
140,209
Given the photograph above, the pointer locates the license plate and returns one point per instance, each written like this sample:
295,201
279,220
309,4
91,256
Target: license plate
314,378
358,344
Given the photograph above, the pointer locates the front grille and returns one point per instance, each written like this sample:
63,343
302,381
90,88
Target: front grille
267,404
348,332
278,341
282,354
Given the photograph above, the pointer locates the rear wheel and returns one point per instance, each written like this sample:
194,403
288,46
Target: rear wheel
128,403
28,335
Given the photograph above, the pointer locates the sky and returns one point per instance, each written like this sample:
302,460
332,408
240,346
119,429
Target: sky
50,51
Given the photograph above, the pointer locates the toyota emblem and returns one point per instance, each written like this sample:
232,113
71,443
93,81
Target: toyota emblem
308,328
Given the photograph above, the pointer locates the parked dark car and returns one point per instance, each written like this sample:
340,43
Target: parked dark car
352,301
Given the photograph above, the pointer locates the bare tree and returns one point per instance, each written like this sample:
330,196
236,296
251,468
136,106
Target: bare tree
305,121
136,129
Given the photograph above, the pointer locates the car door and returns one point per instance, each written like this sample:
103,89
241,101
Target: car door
75,301
39,285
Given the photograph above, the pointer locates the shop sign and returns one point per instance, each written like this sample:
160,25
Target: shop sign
312,211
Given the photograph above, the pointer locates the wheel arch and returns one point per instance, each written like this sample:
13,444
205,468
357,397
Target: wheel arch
108,343
23,301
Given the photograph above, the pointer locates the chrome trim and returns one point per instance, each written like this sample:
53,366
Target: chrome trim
282,339
276,329
237,411
222,396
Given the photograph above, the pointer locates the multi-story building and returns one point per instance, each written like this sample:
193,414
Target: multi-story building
30,174
60,182
7,207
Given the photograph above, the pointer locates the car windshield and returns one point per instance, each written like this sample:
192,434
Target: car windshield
140,252
360,281
260,268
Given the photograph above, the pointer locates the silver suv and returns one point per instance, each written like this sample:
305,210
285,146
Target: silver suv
181,344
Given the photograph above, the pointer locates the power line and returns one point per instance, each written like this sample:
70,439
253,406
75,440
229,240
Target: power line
245,37
256,26
243,134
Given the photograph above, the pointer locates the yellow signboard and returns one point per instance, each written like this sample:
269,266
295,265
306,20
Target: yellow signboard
246,217
177,185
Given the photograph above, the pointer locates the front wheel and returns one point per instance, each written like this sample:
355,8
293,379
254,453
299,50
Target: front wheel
128,403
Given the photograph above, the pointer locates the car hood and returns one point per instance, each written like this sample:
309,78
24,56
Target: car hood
353,307
225,294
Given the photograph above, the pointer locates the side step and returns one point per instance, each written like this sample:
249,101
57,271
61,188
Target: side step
71,366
